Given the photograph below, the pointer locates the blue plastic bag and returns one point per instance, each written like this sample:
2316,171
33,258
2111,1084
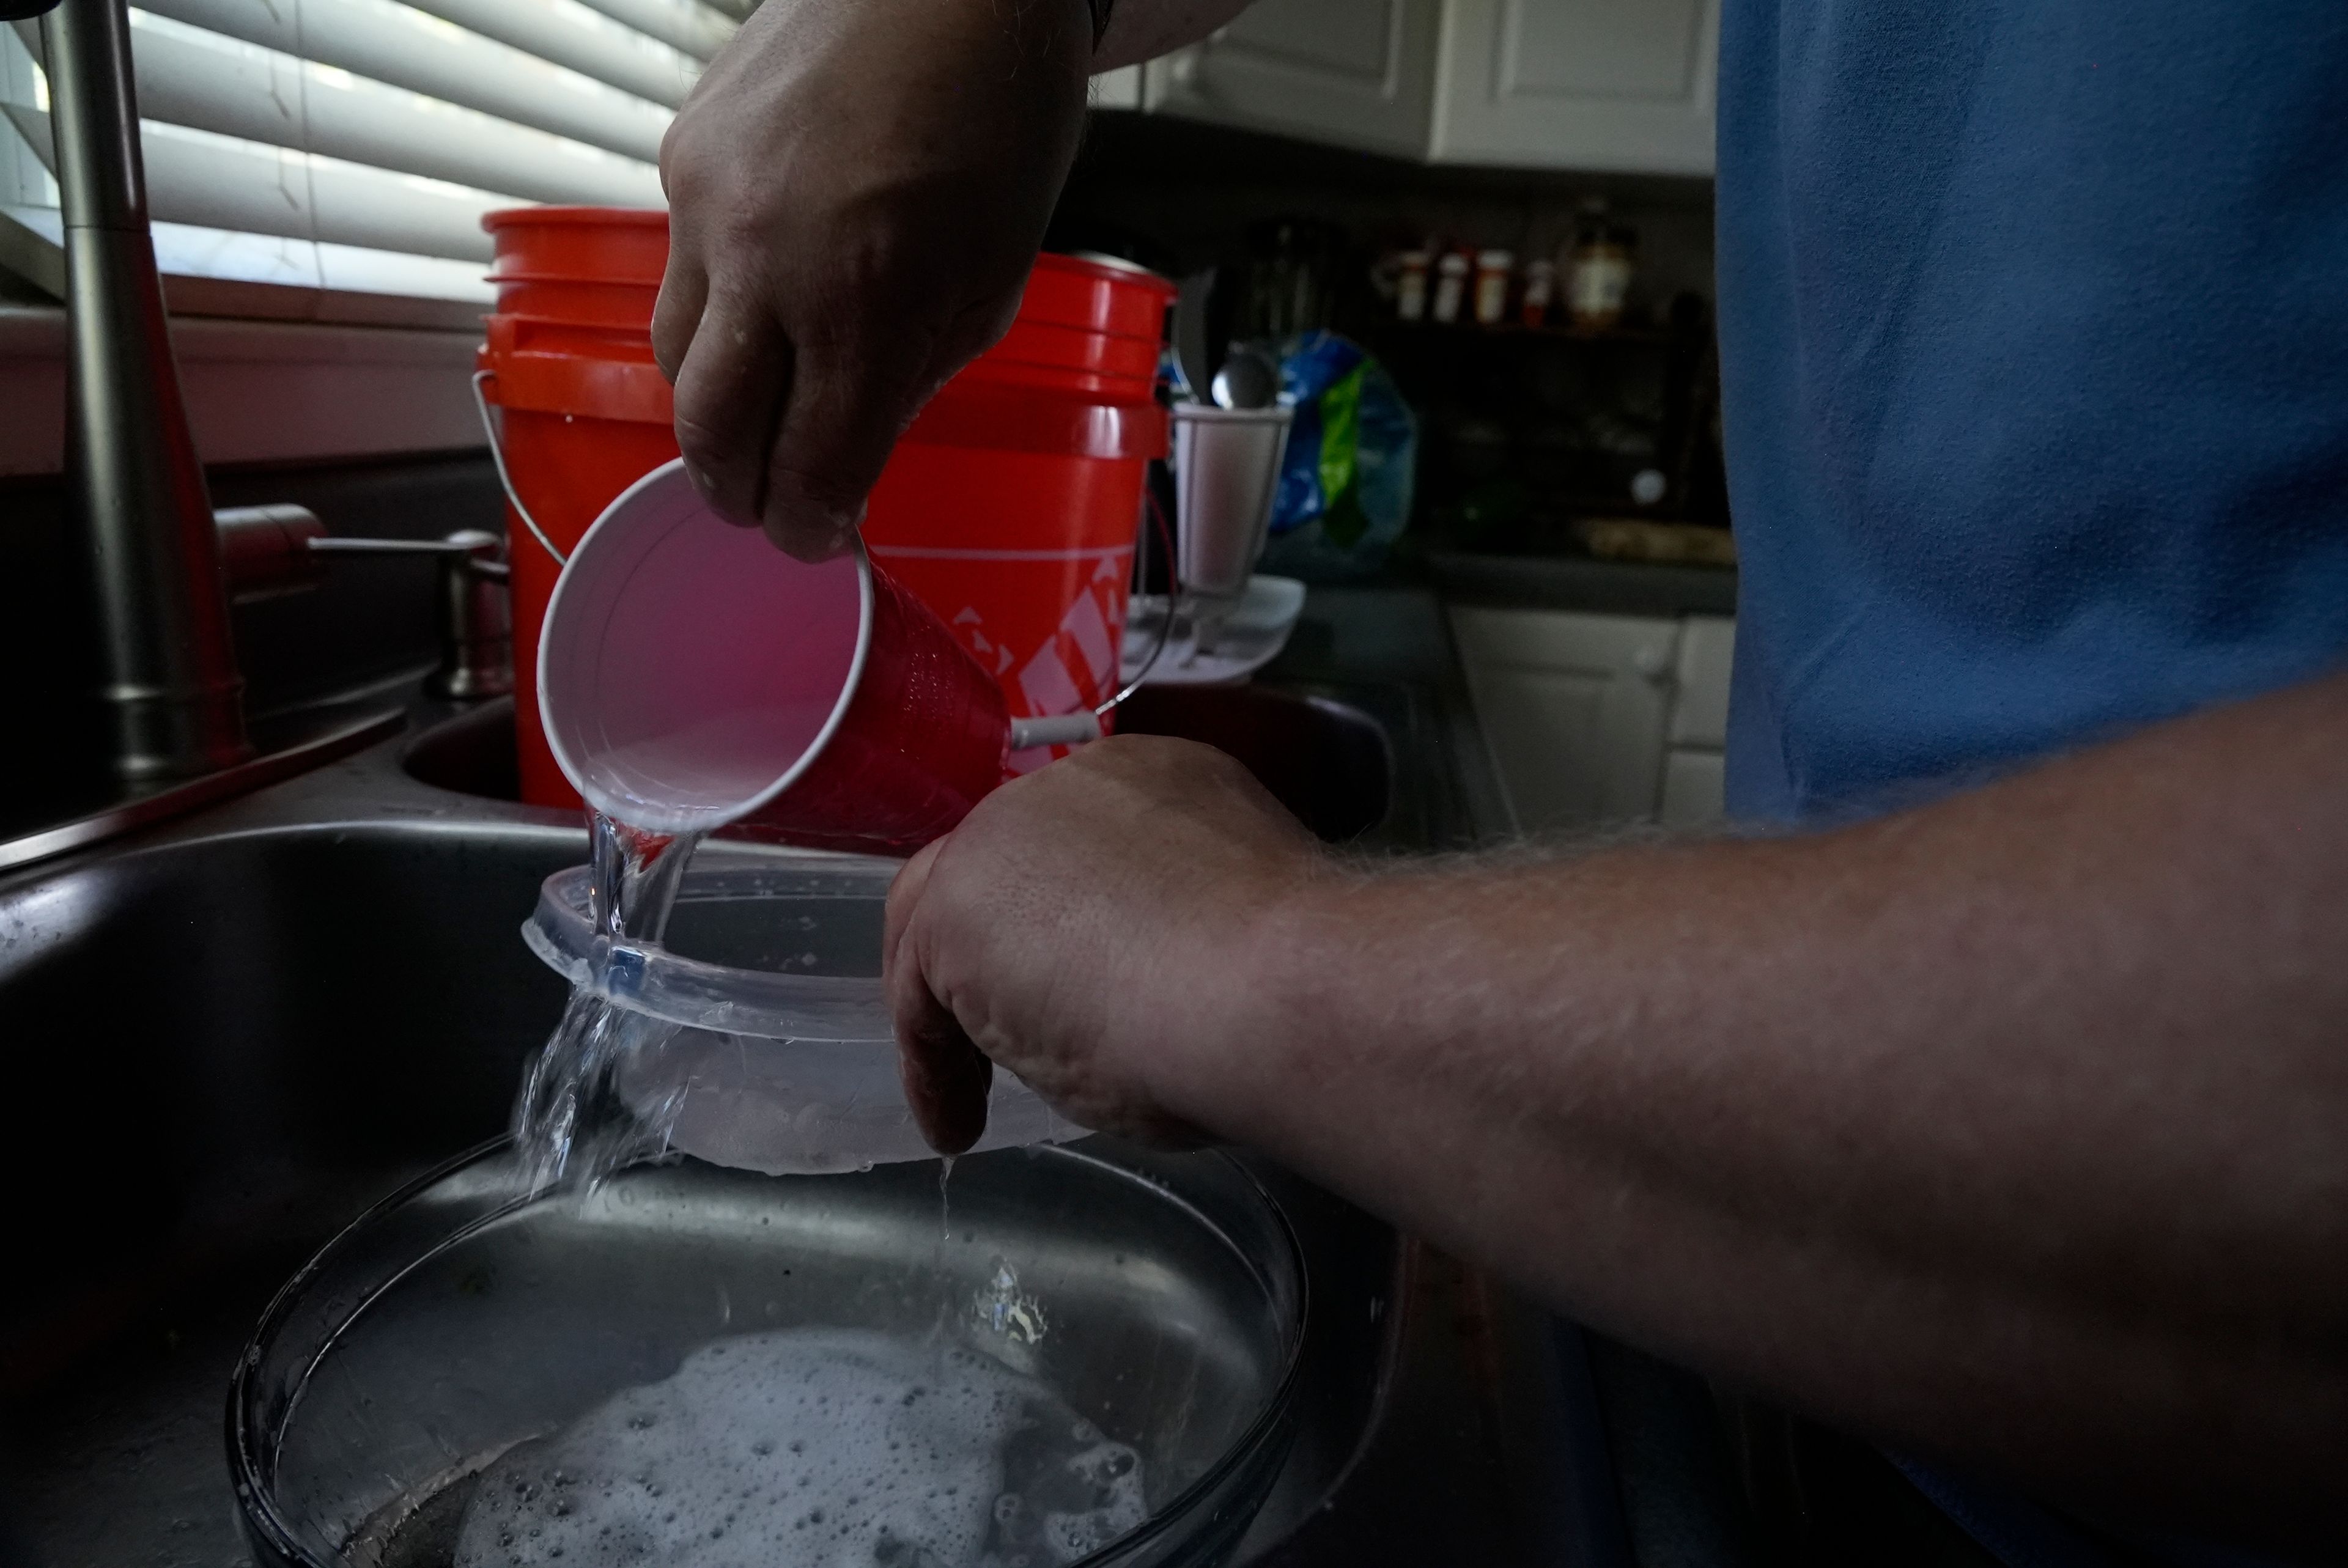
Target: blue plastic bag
1352,452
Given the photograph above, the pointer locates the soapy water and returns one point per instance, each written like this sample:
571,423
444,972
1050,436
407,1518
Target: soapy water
807,1447
571,1125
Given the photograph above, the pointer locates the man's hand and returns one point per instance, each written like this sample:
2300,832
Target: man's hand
1063,930
2010,1131
858,189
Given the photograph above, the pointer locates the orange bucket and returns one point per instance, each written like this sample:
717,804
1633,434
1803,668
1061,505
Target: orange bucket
1010,507
1012,503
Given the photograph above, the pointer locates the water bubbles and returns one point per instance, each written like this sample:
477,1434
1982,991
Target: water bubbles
904,1454
1004,1310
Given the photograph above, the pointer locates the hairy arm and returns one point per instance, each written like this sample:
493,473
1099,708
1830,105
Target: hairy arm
2014,1129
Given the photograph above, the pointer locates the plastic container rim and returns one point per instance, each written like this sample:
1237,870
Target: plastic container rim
763,1004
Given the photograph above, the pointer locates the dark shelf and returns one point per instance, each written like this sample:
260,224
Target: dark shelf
1651,335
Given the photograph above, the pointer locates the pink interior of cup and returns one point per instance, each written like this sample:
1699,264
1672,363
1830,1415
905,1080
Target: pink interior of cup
689,670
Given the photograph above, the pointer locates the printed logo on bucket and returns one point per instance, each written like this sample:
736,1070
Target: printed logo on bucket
1054,641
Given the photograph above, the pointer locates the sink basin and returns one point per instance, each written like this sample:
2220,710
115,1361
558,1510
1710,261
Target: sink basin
1325,759
241,1030
228,1037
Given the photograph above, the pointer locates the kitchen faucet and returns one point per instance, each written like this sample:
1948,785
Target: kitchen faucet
166,566
171,685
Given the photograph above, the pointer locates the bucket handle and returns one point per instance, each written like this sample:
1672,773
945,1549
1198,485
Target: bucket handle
1173,606
481,378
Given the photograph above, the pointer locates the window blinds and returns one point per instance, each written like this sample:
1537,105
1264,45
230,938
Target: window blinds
354,144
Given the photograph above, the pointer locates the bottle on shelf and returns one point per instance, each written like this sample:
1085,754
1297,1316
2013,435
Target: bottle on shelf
1493,270
1598,278
1450,286
1410,286
1540,293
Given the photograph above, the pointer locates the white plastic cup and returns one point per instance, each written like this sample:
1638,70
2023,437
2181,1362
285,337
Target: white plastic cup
691,676
1226,474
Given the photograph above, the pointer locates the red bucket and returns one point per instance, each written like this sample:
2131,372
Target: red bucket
590,244
584,415
1010,507
1012,503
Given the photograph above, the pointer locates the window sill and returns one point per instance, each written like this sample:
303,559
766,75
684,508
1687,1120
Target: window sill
260,392
269,372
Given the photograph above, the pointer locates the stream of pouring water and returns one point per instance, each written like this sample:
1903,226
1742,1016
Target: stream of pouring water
803,1444
571,1123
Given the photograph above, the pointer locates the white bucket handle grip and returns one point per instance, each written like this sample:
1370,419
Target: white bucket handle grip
1059,729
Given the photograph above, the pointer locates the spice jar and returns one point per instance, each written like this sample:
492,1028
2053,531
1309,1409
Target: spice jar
1540,293
1450,286
1410,286
1601,275
1492,270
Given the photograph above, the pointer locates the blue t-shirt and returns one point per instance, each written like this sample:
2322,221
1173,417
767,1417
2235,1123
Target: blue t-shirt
2034,321
2034,353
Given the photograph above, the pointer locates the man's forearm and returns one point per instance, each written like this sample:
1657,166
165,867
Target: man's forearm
2016,1126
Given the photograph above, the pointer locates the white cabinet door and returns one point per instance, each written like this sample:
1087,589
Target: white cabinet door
1695,788
1574,708
1352,73
1707,657
1606,84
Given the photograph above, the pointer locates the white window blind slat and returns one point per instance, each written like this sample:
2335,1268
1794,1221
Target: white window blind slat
343,152
387,42
568,33
689,27
24,178
225,182
231,255
191,78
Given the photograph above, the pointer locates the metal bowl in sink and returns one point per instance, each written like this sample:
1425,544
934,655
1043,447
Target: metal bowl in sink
444,1353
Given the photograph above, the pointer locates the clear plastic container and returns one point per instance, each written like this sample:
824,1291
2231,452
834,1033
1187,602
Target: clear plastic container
1161,1297
783,1058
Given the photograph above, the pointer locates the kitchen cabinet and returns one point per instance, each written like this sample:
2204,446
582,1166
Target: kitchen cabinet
1350,73
1694,775
1592,719
1574,709
1610,84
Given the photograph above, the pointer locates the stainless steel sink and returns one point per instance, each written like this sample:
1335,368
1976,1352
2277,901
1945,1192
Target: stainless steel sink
220,1040
1328,761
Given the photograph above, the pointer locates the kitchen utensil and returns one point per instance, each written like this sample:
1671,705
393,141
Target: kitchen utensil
692,677
1160,1296
1225,473
1250,635
1249,378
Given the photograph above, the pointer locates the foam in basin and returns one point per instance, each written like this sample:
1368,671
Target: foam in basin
816,1446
